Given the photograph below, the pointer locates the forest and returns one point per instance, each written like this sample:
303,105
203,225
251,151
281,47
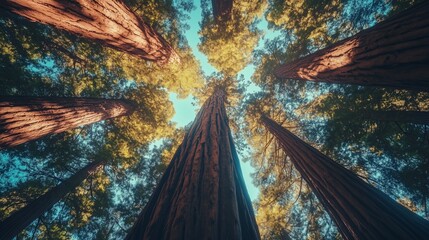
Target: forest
221,119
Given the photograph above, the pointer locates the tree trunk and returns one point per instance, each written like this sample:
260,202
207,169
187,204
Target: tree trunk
360,210
222,10
202,194
416,117
20,219
23,119
393,53
109,22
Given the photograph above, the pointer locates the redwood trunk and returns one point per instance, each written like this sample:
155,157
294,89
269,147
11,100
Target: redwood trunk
109,22
20,219
416,117
23,119
394,53
359,210
222,9
202,194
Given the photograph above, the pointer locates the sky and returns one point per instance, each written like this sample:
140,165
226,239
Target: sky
185,111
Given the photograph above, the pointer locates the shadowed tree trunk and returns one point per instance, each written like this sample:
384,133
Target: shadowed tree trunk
416,117
23,119
393,53
20,219
109,22
222,9
202,194
359,210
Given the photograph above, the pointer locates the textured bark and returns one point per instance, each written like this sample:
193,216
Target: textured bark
416,117
202,194
23,119
109,22
393,53
20,219
359,210
222,9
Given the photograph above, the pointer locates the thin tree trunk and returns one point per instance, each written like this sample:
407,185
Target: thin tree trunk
202,194
416,117
393,53
20,219
359,210
23,119
109,22
222,9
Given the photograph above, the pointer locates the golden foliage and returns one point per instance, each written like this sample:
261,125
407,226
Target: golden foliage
308,19
181,78
230,54
271,217
229,45
54,231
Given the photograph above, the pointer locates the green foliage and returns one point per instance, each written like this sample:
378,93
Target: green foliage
229,45
308,20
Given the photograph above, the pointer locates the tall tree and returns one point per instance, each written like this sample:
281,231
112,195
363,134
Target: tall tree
111,23
393,53
23,119
16,222
202,193
360,210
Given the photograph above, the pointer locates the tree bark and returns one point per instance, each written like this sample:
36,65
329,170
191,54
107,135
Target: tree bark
416,117
359,210
202,194
109,22
393,53
23,119
20,219
222,10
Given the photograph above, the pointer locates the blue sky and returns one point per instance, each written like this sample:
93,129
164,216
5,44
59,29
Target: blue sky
186,111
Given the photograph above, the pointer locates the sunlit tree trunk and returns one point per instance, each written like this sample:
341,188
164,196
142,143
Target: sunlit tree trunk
23,119
222,9
416,117
359,210
393,53
20,219
202,194
109,22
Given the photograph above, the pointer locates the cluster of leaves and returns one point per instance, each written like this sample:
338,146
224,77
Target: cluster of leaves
229,45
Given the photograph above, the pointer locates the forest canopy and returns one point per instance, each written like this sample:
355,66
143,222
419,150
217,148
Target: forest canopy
378,133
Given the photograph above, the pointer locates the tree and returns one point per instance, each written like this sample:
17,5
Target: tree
111,23
393,53
359,209
28,118
202,193
20,219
